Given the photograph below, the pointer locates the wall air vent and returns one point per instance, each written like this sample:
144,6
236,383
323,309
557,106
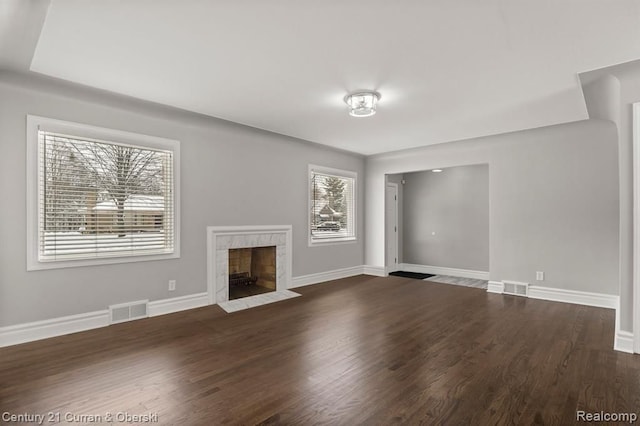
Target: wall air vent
128,311
515,288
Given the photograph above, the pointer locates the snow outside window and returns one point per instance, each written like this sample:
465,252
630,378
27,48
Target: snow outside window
332,206
99,195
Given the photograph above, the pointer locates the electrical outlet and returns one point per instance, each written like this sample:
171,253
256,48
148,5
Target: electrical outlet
172,285
539,276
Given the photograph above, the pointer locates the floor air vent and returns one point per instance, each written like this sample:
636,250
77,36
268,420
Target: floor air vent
128,311
515,288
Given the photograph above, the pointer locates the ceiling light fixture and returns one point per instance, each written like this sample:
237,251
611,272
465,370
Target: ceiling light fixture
362,104
436,170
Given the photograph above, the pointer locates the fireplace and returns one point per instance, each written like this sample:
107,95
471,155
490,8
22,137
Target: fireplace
227,253
252,271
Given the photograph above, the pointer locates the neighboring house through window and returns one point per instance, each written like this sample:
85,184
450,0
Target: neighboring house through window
332,206
97,195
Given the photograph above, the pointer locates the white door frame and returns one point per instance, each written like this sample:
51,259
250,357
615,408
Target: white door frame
388,268
636,227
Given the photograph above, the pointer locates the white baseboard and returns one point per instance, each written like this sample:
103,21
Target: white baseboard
598,300
38,330
572,296
177,304
623,342
321,277
439,270
495,287
376,271
336,274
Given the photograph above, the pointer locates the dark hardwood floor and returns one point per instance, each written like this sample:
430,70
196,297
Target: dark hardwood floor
362,350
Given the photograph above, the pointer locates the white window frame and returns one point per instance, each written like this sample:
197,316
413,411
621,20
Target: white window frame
339,173
36,123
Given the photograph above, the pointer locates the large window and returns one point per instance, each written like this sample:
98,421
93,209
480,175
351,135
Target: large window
332,207
99,195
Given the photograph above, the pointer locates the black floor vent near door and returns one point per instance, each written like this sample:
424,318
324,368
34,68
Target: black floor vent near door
414,275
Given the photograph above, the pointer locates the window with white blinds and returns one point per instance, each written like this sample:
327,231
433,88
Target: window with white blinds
332,207
101,199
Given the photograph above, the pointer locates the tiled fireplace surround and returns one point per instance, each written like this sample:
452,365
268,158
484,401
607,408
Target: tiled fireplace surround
222,238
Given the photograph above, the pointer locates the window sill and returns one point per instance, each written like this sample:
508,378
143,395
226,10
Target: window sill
332,241
35,265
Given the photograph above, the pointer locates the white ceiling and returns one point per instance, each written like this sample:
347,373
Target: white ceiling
446,69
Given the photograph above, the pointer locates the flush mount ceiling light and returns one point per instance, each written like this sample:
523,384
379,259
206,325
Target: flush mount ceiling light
362,104
436,170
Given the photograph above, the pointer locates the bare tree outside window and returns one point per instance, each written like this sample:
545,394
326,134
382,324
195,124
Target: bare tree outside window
121,172
103,197
65,191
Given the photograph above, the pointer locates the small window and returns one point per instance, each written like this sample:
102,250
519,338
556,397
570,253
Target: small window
99,196
332,195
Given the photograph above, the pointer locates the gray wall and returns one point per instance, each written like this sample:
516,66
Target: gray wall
554,202
446,218
231,175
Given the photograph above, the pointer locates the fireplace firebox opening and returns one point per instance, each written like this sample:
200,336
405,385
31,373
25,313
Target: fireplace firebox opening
252,271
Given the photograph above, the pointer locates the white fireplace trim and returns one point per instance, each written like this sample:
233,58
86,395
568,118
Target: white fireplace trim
222,238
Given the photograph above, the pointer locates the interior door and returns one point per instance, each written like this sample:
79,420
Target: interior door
391,226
